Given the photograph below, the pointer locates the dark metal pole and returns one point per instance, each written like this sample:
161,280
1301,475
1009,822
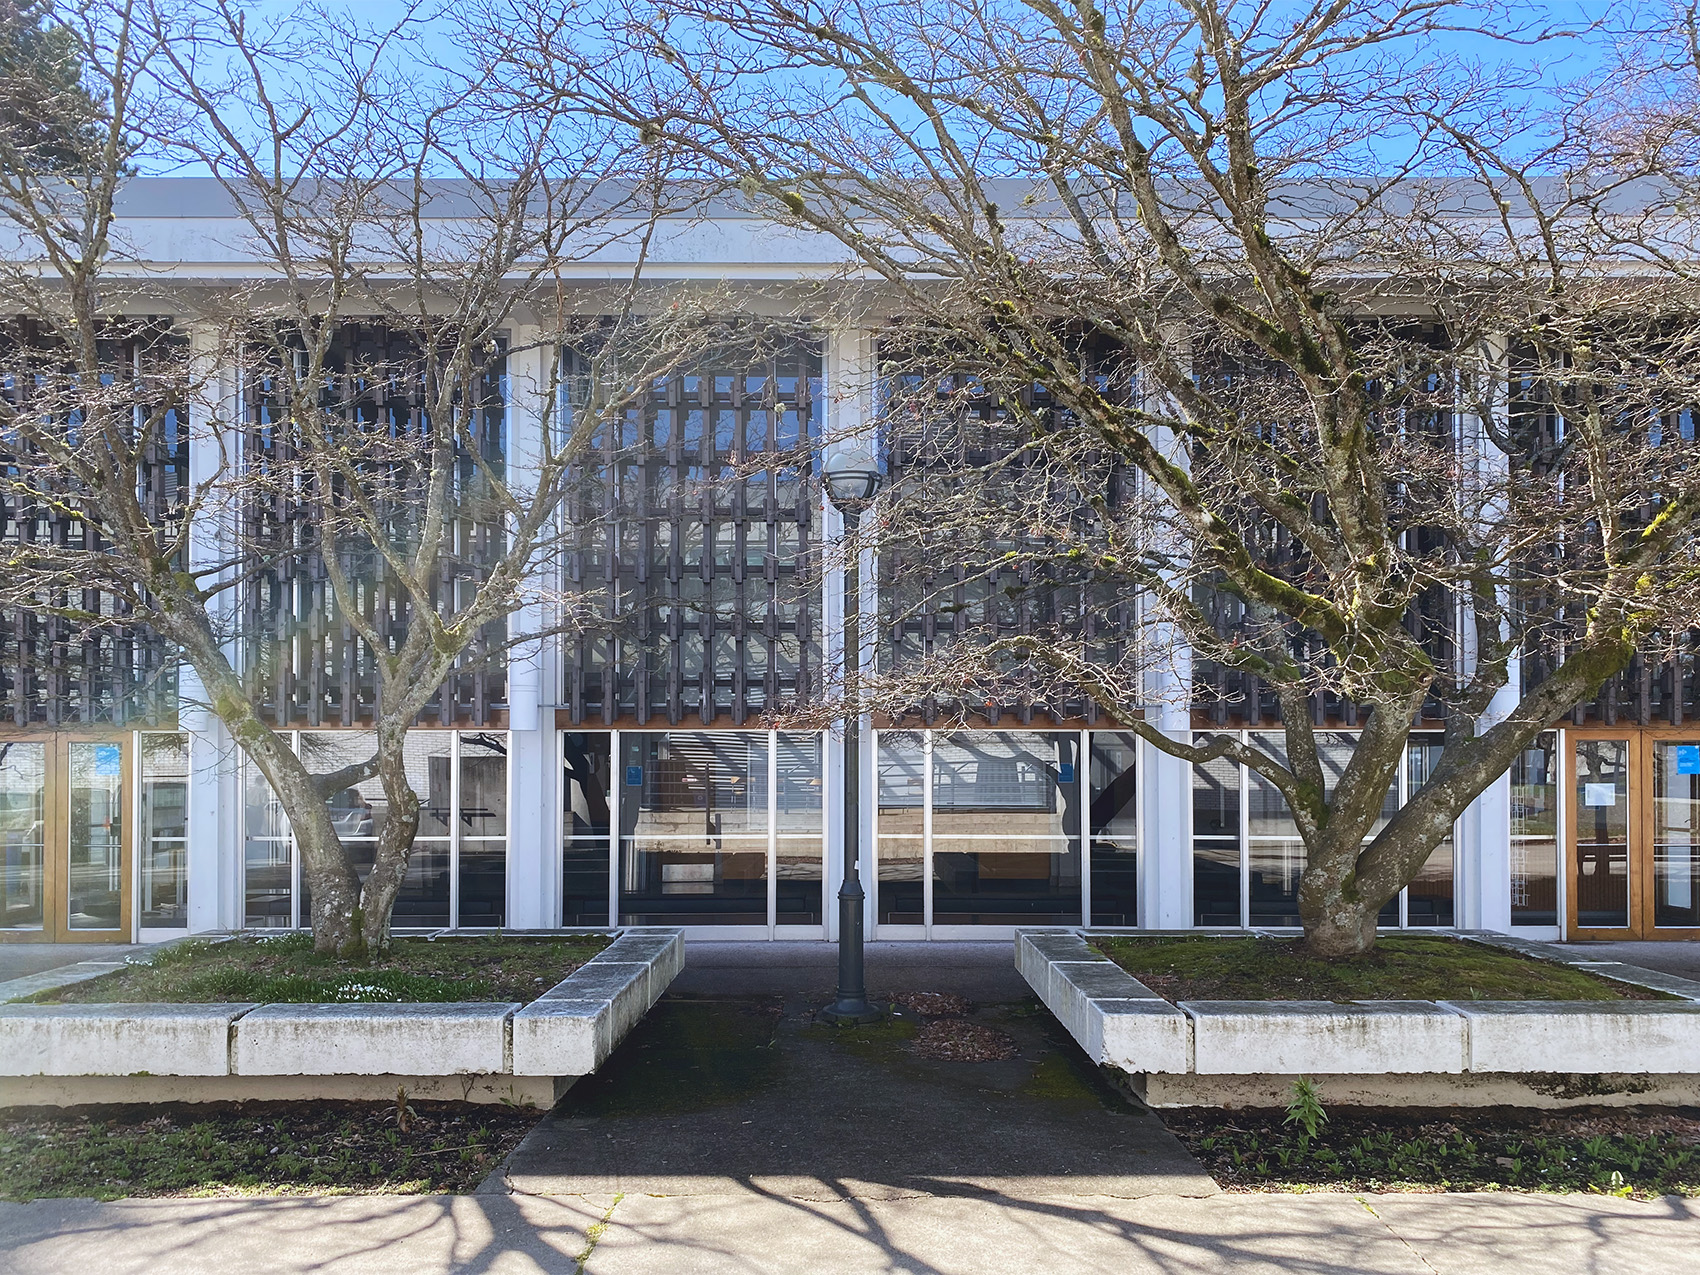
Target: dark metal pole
851,1004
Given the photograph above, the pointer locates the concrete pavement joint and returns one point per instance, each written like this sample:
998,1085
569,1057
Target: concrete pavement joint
1409,1248
594,1233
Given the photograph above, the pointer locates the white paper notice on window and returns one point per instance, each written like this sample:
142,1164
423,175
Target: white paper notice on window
1599,794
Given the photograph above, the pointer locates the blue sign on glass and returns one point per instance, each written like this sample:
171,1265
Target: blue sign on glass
1688,759
1065,772
108,760
634,776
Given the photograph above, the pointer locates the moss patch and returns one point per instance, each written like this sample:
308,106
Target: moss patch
687,1054
1403,968
106,1153
286,969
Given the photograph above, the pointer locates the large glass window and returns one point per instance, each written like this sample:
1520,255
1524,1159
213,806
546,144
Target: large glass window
799,849
457,870
23,851
900,864
164,844
1114,820
1216,843
1534,833
1676,834
979,828
693,827
1267,853
1006,828
586,826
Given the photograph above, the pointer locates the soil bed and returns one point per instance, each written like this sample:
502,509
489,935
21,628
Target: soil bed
1619,1151
272,1148
284,968
1426,968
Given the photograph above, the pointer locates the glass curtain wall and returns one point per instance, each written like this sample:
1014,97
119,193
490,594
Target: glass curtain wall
1248,857
1114,826
1534,833
163,848
979,828
457,871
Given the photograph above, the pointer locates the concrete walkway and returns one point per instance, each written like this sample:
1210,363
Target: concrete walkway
752,1232
20,959
1674,956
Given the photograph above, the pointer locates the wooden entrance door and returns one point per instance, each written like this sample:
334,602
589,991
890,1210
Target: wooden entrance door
1633,834
65,838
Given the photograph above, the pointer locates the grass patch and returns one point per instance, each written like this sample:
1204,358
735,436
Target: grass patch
1423,968
285,969
1608,1151
106,1153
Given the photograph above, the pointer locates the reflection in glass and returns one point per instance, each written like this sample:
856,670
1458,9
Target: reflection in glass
1676,833
267,856
1216,843
1534,833
1114,819
1602,833
358,813
1006,828
23,880
95,837
1428,899
1275,853
900,867
693,828
800,850
586,758
164,845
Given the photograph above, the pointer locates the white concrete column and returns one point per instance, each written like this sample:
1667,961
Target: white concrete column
534,764
1483,880
213,855
1165,781
850,385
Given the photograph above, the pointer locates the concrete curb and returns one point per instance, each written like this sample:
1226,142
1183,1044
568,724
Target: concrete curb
566,1033
1121,1023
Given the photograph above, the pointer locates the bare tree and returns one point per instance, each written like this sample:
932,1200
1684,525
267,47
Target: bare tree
1301,333
427,528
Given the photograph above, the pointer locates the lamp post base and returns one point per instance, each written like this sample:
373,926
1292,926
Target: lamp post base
842,1014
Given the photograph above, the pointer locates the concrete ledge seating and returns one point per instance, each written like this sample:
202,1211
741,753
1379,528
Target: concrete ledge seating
569,1032
1122,1024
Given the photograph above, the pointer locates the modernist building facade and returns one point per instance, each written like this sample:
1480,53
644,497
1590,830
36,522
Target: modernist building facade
594,781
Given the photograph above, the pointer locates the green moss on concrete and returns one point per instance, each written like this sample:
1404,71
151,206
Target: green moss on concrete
686,1055
285,969
1402,968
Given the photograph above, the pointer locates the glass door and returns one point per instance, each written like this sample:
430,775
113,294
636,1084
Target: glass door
1634,836
65,846
1601,839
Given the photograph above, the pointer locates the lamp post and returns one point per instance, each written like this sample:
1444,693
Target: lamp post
852,480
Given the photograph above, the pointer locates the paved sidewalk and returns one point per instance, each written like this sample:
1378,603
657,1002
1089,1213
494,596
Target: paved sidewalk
18,960
751,1233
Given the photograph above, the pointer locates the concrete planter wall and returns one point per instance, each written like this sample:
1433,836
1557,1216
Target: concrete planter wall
1470,1053
567,1033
